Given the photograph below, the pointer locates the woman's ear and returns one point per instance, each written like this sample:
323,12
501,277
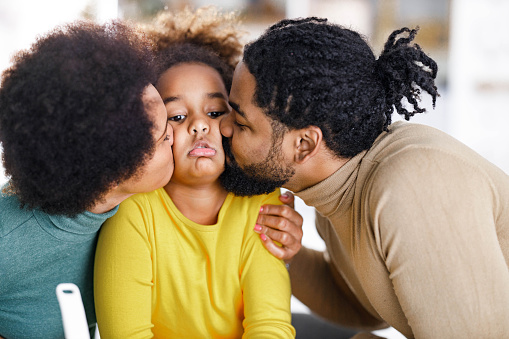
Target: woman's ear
307,143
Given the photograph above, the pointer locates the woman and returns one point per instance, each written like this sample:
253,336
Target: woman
82,128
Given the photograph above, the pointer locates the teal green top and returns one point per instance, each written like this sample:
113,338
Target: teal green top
37,252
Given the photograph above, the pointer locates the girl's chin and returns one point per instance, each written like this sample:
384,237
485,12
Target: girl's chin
199,174
200,167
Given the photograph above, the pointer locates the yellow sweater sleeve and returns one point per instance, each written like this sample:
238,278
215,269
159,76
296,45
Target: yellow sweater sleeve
123,275
266,289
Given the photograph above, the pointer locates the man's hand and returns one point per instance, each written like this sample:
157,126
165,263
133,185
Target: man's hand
283,224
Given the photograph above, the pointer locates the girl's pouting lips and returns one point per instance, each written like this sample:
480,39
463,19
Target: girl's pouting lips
202,149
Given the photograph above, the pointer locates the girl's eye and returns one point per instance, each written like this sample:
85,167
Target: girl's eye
214,115
177,118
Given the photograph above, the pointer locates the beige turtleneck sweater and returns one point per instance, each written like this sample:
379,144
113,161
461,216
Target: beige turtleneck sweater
417,236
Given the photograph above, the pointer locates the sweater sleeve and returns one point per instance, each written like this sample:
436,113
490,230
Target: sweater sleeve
266,289
326,293
434,221
123,275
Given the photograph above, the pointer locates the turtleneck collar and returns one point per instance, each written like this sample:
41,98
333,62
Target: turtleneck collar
325,196
82,227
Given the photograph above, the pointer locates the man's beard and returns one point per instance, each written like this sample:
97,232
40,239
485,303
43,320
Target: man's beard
255,179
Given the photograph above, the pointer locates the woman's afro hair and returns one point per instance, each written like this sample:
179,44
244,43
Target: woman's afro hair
312,72
205,36
72,120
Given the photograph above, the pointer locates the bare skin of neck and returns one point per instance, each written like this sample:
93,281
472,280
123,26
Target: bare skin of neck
316,169
109,201
207,198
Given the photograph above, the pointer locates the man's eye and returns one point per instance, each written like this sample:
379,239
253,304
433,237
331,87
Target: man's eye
177,118
214,115
236,123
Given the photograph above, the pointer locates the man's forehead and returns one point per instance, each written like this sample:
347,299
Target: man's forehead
242,92
244,79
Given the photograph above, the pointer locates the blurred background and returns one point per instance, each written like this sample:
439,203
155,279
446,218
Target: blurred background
467,38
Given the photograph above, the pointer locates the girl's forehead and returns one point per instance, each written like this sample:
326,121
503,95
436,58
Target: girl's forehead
191,75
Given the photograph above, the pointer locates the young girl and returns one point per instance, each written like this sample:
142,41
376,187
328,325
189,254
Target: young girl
183,261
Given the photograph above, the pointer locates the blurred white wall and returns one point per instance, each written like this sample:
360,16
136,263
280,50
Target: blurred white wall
23,20
478,106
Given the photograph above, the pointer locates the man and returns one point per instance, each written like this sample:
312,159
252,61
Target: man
416,224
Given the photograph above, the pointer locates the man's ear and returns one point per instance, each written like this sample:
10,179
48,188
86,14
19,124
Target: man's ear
307,143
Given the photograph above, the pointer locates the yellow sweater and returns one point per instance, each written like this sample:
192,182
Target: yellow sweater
417,236
158,274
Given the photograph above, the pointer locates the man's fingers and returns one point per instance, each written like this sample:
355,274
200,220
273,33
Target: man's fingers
289,244
280,229
280,223
287,234
288,199
277,251
284,238
269,213
275,222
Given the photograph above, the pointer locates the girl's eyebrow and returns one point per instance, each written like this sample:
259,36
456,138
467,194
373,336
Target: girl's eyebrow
216,95
209,95
170,99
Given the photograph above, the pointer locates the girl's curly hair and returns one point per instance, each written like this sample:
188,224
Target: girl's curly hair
72,118
204,35
312,72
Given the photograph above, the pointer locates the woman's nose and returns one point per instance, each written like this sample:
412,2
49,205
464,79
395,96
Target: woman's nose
170,134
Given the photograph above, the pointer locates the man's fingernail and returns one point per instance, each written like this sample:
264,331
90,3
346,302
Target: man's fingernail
261,209
257,228
263,236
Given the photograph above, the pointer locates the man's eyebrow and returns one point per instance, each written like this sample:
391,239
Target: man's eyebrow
238,110
170,99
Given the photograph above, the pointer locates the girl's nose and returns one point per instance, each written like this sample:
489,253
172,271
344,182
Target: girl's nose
199,126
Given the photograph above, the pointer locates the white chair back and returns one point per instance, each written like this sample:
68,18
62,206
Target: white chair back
73,313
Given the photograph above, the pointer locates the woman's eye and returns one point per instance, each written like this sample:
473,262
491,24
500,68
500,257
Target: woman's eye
177,118
215,114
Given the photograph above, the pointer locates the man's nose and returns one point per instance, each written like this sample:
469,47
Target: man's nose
226,126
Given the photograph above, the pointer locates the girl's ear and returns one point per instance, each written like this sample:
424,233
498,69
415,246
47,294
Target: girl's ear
307,143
